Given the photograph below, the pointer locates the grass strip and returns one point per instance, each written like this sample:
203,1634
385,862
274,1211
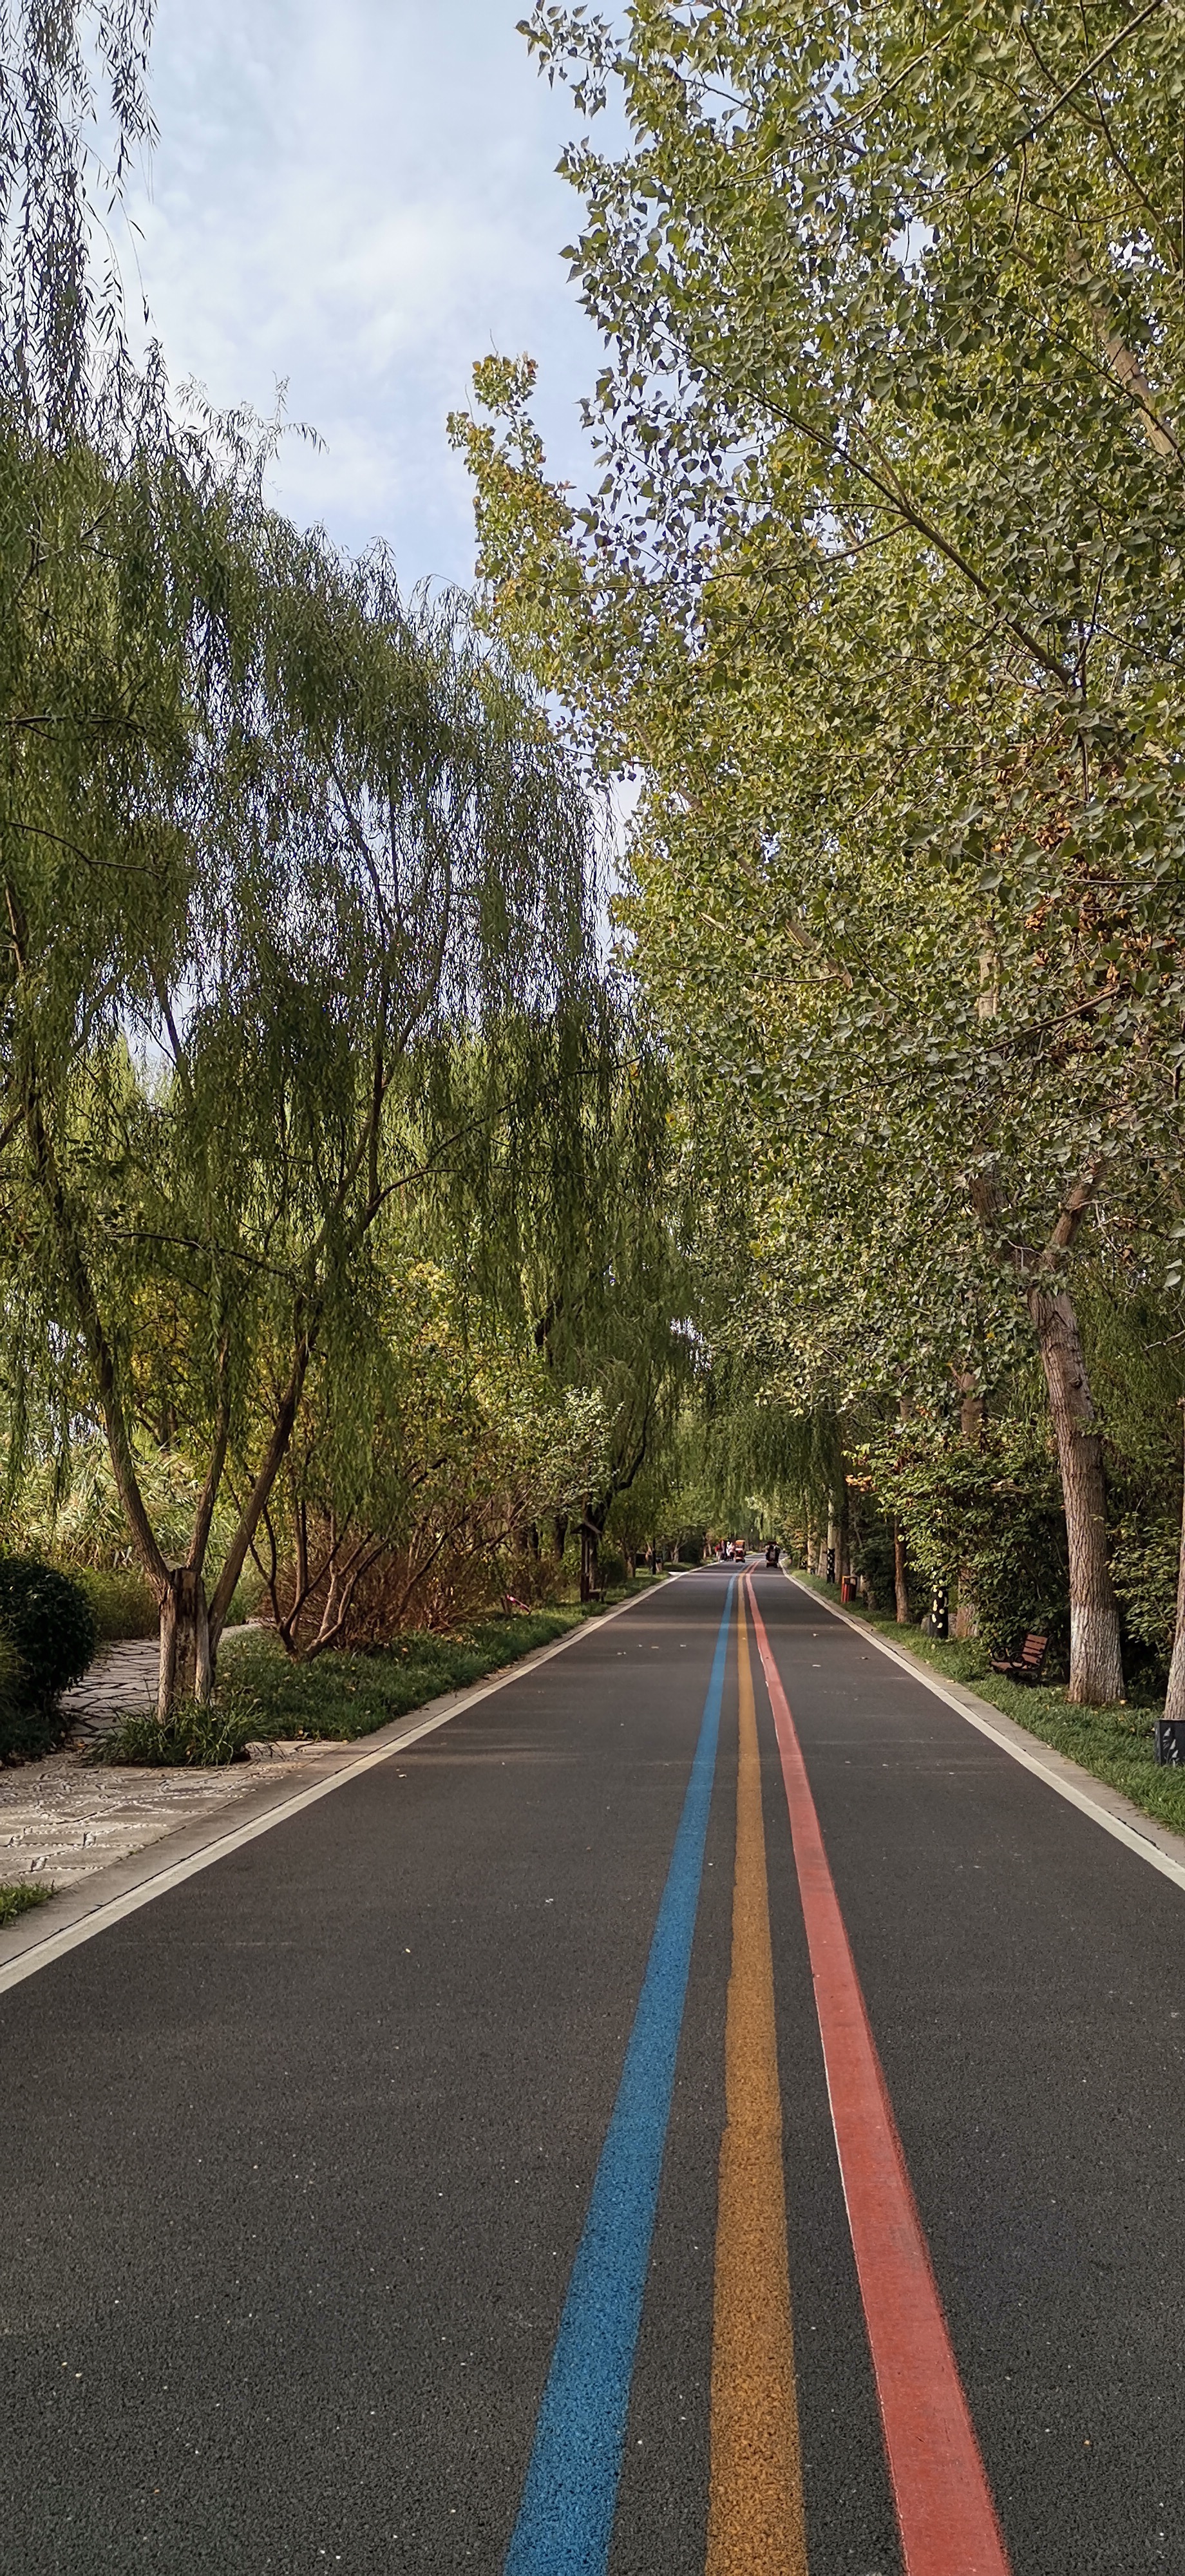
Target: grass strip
19,1896
263,1696
1114,1744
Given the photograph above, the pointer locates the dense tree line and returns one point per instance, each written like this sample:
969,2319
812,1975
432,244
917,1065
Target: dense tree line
880,594
316,1099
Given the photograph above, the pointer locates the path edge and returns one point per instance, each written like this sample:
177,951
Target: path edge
1151,1841
113,1893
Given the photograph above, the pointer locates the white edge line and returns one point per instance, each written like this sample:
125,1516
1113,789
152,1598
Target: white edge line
1088,1805
114,1908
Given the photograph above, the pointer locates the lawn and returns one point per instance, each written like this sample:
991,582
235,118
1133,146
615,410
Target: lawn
1115,1744
262,1695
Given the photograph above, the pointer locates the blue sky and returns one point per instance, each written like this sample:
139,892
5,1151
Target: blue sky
360,196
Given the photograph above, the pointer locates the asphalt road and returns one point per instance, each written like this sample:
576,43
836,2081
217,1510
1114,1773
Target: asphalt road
299,2164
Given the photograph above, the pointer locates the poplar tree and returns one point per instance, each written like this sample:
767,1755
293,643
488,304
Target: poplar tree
882,586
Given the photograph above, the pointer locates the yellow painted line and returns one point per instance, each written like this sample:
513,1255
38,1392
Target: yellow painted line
756,2525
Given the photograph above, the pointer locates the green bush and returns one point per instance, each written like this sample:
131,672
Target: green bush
48,1620
1144,1561
48,1635
985,1519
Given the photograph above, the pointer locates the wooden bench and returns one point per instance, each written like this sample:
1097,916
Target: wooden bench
1025,1667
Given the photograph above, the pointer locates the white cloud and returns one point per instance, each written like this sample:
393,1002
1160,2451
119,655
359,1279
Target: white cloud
362,199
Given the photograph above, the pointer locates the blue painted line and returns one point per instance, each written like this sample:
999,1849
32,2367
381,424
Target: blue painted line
565,2520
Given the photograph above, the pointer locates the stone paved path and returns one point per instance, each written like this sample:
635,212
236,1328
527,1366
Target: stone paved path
64,1818
121,1680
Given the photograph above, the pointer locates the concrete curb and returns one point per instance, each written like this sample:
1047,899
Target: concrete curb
62,1922
1156,1843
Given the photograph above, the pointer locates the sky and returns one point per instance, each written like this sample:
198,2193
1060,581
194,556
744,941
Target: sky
360,196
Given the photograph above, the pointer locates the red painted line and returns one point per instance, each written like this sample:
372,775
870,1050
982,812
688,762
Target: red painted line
944,2505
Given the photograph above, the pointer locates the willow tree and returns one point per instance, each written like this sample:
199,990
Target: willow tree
358,842
610,1290
894,290
74,115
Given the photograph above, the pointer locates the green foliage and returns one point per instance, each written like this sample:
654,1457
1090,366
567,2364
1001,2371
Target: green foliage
874,1558
364,927
300,990
882,590
1144,1562
983,1518
67,1505
75,106
45,1626
121,1602
1133,1334
50,1626
468,1441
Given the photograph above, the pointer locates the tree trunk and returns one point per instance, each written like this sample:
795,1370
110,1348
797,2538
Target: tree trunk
967,1614
972,1413
1174,1703
187,1657
972,1430
589,1548
335,1600
560,1529
900,1585
1096,1667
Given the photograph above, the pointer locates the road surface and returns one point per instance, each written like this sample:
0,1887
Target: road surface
450,2179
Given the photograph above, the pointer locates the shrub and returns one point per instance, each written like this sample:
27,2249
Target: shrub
47,1638
1144,1560
49,1623
986,1517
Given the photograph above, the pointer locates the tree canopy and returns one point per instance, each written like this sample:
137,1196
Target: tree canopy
880,590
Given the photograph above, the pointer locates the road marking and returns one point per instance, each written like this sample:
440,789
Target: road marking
26,1955
944,2507
565,2520
1058,1770
756,2525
